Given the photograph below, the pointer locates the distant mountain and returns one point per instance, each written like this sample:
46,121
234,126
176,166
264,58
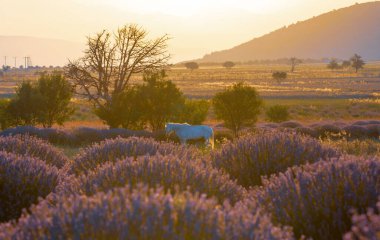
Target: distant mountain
339,34
42,51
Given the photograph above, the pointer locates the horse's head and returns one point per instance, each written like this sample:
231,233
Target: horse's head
169,128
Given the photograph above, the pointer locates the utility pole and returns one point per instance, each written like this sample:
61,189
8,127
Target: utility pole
15,62
5,60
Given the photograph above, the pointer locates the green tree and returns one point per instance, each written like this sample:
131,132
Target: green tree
357,62
56,93
191,65
279,76
228,64
277,113
333,64
126,110
111,60
194,111
161,100
346,64
237,105
26,106
46,102
4,117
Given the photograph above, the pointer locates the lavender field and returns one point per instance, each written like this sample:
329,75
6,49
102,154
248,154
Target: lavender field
268,184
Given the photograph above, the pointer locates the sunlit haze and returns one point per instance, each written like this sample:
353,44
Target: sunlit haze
196,27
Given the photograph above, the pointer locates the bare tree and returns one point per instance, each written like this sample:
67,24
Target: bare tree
111,59
294,62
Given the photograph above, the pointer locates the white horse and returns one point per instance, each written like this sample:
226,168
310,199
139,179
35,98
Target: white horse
186,131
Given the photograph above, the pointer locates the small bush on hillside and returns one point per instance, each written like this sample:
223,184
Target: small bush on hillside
277,113
142,214
316,200
253,156
33,147
111,151
168,172
23,180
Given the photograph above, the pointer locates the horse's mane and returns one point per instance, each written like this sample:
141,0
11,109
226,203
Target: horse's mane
175,125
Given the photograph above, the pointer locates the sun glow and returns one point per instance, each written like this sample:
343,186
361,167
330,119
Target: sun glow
190,8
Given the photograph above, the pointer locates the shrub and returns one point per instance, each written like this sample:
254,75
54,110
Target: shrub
191,65
365,226
45,102
142,214
355,131
327,130
4,116
291,124
167,171
253,156
33,147
77,137
113,150
307,131
23,180
316,199
237,106
277,113
362,147
194,111
279,76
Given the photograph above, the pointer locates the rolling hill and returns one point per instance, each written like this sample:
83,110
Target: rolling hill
42,51
337,34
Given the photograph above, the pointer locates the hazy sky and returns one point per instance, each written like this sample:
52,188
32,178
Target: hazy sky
197,27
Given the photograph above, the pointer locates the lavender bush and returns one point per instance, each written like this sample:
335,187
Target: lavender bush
253,156
165,171
365,226
113,150
76,137
142,214
33,147
316,199
23,180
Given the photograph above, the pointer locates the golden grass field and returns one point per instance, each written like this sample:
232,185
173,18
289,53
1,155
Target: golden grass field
312,92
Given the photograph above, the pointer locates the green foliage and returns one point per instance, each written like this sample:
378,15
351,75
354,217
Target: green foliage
346,64
25,107
279,76
357,62
4,117
333,64
228,64
56,94
277,113
161,100
194,111
237,105
191,65
46,102
124,110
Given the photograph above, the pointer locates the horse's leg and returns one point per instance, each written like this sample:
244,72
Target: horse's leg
183,141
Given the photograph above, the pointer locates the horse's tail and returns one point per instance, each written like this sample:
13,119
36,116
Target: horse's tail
212,139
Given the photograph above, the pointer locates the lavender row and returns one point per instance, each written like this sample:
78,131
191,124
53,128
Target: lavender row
169,172
33,147
142,214
113,150
23,180
251,157
316,200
